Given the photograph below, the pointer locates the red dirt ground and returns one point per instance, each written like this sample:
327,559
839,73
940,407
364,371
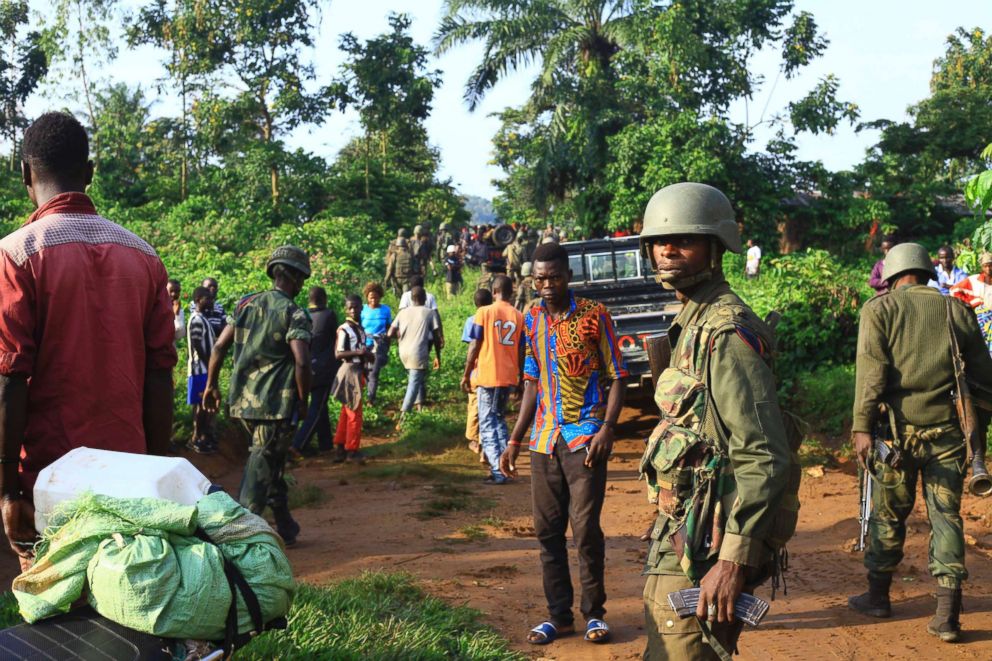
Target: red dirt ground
366,523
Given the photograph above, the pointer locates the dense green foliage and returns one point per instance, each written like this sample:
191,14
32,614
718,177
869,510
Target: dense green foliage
378,616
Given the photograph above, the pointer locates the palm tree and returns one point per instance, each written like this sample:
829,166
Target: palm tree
571,38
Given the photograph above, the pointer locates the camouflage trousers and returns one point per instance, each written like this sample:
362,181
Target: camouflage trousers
674,639
263,482
940,462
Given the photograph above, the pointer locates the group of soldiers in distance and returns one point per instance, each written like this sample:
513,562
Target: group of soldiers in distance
424,252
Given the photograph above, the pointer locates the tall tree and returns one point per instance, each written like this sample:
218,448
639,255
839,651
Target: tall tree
184,29
387,80
79,36
262,45
23,64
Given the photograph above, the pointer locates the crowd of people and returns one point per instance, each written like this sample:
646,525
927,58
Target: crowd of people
949,279
721,465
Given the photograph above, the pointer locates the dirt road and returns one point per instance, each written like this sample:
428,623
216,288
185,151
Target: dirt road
488,559
485,556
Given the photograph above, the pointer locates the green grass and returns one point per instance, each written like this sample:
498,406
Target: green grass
448,498
9,613
378,616
474,533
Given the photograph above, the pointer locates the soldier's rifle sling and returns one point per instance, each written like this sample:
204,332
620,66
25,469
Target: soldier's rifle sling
747,608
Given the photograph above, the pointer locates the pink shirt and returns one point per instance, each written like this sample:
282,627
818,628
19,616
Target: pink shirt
84,312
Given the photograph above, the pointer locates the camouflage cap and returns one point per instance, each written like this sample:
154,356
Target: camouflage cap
986,258
526,269
291,256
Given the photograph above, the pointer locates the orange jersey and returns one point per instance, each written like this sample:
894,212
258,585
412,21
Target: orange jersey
498,329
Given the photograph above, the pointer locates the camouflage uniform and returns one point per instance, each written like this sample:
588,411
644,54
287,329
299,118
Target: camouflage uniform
525,294
263,390
514,258
904,362
399,266
729,428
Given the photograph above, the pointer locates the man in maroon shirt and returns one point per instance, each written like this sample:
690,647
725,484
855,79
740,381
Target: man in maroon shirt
86,329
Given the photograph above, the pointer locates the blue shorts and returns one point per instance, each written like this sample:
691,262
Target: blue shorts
195,385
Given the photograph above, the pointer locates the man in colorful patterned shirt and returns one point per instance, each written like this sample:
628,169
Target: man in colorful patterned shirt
574,382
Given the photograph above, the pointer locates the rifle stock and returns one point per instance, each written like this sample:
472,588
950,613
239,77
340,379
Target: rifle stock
659,351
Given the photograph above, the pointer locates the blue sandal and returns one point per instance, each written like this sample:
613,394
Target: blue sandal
546,633
595,626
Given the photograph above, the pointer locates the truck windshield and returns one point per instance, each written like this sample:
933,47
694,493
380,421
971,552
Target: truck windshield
600,266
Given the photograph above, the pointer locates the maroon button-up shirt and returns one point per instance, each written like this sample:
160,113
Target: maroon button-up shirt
84,313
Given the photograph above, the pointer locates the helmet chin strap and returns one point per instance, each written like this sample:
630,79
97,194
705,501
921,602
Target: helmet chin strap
681,284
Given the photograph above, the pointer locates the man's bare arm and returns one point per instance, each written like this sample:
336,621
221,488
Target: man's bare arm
211,393
157,405
301,356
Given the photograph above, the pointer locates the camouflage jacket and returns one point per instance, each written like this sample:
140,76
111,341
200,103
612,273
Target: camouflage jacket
263,380
719,414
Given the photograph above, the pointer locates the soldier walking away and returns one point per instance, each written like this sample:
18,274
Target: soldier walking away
525,289
399,263
446,236
718,462
270,381
515,258
420,247
905,363
571,359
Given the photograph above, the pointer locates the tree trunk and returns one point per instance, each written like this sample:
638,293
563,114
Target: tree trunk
790,235
86,88
184,165
273,170
368,140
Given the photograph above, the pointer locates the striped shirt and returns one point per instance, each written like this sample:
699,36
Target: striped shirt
573,360
200,333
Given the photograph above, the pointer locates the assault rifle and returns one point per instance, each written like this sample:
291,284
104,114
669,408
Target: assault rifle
747,608
888,456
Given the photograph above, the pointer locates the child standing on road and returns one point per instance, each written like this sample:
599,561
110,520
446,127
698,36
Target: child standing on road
349,384
201,343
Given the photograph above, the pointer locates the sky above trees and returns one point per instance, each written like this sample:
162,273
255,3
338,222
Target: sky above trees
882,53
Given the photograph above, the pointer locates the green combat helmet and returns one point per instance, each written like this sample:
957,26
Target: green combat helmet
403,233
291,256
907,257
418,230
526,269
691,209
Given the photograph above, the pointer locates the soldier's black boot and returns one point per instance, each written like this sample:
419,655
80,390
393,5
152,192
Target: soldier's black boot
286,525
946,624
875,602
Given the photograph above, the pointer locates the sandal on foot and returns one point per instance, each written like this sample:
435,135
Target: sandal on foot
597,631
545,633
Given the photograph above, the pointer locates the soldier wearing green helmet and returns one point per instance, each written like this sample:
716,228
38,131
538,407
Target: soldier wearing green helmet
270,381
399,264
719,465
904,384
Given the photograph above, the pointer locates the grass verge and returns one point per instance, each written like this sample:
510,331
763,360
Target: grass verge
378,616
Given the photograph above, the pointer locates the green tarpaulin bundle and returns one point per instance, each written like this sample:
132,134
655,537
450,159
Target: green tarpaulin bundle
145,568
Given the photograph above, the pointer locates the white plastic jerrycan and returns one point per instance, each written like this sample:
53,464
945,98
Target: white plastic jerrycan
119,474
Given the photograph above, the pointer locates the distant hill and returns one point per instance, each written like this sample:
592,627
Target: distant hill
481,210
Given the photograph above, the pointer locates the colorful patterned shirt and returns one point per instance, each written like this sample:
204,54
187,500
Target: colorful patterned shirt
572,359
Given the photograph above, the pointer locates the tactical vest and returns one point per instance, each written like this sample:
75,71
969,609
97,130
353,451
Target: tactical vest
686,462
404,263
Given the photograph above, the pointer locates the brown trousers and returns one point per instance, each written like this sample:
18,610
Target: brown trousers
670,638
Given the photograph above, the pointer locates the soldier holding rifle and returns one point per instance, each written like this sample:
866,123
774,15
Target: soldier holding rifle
907,341
719,464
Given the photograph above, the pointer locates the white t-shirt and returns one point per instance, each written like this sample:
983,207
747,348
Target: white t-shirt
753,260
406,301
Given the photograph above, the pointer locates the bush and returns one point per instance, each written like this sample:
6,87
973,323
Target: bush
824,398
819,298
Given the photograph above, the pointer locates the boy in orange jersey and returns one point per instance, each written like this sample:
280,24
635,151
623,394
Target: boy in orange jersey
496,353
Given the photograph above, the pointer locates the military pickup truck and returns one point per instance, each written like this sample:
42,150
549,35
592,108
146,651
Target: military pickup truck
613,272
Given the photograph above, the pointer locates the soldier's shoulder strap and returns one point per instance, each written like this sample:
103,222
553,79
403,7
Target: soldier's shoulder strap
737,317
